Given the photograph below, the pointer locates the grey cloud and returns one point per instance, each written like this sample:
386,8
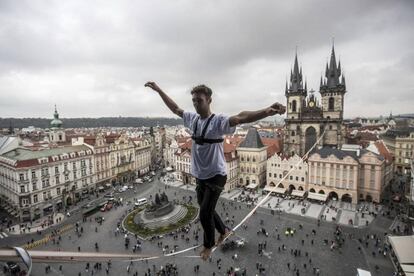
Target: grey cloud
86,52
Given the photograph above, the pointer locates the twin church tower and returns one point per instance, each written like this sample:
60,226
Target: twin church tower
307,118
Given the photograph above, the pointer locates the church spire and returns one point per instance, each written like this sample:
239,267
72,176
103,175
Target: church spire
333,71
296,78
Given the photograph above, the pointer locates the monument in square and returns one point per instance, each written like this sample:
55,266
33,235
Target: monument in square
161,206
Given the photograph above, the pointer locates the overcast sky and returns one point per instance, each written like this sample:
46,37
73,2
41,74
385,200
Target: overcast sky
92,58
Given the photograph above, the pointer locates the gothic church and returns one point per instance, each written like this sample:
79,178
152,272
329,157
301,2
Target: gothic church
306,118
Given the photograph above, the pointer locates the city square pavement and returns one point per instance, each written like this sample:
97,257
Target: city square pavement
312,244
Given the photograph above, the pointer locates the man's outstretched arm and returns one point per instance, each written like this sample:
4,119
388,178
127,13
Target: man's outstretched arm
252,116
167,100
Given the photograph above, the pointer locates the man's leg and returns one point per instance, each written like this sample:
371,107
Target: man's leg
206,202
208,217
220,181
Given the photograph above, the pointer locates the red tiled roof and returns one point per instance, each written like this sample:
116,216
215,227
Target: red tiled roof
383,150
274,145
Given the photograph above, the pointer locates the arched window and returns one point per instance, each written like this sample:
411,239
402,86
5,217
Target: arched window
331,104
293,133
294,106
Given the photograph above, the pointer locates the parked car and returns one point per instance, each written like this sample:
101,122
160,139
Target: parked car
108,206
109,195
153,173
123,189
141,201
139,181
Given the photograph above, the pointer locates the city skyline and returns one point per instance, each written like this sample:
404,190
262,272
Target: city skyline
93,60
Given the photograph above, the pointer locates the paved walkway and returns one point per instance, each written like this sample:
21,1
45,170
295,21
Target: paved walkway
38,225
334,211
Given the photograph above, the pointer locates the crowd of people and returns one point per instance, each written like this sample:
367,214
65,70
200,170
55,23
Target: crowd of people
280,243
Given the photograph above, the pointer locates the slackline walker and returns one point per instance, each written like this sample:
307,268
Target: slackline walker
208,164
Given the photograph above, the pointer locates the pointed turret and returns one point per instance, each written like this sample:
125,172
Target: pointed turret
296,78
333,71
286,88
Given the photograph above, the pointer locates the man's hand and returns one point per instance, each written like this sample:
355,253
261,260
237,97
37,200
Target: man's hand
276,108
153,86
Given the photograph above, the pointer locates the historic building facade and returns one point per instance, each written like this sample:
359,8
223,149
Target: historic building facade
400,142
252,160
122,158
349,174
278,166
34,183
142,155
306,118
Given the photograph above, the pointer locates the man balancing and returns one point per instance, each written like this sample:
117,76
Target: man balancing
208,165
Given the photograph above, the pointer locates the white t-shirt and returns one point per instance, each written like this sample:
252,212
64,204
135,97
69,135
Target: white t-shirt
208,160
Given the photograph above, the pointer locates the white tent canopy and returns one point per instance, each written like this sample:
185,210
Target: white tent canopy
252,186
316,196
298,193
403,249
275,189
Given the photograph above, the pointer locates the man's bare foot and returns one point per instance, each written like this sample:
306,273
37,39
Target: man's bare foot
205,253
223,236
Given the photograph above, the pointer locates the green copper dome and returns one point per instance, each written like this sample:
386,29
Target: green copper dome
56,123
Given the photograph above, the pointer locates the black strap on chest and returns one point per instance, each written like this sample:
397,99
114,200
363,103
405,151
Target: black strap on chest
200,140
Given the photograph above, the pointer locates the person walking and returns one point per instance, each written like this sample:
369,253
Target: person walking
208,164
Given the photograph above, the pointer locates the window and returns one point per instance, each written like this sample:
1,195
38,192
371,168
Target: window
57,179
74,165
56,170
270,174
303,179
22,189
33,174
34,186
45,171
35,199
331,105
294,106
58,191
21,176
